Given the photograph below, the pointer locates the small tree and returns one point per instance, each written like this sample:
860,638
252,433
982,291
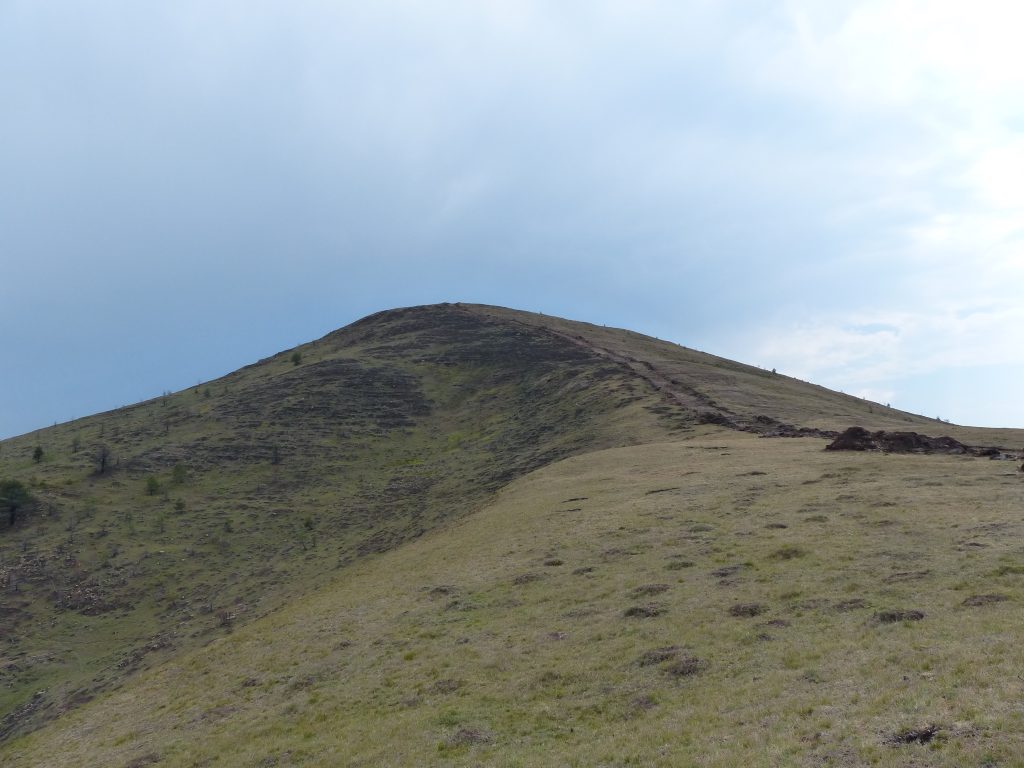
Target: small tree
14,498
179,474
296,358
37,454
152,486
102,459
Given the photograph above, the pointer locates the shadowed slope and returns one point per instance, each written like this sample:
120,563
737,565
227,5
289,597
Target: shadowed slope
224,500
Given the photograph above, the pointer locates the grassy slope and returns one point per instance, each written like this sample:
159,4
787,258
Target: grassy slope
745,392
503,640
385,429
388,429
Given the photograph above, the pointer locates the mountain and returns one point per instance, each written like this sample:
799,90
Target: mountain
460,534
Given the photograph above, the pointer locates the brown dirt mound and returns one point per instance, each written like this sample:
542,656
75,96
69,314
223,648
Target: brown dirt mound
859,439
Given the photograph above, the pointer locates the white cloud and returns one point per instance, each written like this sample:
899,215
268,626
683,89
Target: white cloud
876,354
947,79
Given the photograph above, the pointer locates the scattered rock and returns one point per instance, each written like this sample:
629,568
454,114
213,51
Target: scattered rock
646,590
776,525
526,578
658,655
747,610
727,570
553,562
468,736
906,576
583,570
787,553
678,565
445,686
919,735
976,600
859,439
140,762
617,552
443,589
644,611
891,617
661,490
644,703
845,606
811,604
461,605
685,667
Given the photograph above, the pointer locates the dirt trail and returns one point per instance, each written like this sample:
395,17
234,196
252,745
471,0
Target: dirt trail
700,406
703,407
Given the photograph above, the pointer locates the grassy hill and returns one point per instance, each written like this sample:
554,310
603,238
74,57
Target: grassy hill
467,535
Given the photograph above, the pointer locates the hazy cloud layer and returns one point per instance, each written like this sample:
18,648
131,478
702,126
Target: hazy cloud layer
832,189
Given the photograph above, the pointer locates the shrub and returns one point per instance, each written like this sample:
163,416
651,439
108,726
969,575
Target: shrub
14,499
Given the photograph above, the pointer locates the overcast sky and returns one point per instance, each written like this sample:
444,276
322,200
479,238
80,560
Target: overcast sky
833,189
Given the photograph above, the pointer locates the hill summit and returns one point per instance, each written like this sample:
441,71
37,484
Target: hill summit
463,534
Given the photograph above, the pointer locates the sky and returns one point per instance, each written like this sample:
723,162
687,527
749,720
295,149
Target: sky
832,189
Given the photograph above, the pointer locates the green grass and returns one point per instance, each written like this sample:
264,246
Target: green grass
229,499
449,536
437,654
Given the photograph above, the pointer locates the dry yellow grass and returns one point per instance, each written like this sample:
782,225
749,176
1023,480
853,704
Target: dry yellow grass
503,639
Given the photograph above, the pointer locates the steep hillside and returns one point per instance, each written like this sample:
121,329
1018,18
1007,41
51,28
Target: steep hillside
719,391
219,503
337,504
